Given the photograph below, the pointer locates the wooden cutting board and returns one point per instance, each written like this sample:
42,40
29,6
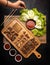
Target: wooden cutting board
15,27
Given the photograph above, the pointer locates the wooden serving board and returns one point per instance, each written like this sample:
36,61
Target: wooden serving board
15,27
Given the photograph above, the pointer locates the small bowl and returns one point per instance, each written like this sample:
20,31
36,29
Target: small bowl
18,58
30,24
12,52
7,46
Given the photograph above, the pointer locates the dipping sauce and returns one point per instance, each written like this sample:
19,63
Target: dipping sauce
30,24
18,58
7,46
12,52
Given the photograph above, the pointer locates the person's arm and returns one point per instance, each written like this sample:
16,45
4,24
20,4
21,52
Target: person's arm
16,4
3,2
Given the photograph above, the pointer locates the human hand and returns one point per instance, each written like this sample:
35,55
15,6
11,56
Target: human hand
19,4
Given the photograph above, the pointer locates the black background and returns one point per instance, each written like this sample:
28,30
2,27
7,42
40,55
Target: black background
5,58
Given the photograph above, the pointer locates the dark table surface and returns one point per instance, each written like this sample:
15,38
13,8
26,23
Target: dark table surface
42,6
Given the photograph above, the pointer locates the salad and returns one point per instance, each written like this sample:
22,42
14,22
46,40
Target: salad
40,18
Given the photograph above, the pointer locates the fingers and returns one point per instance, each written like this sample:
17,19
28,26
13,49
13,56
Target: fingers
21,7
22,4
19,4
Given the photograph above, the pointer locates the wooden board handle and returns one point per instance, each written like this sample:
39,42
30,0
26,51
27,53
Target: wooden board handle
38,55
